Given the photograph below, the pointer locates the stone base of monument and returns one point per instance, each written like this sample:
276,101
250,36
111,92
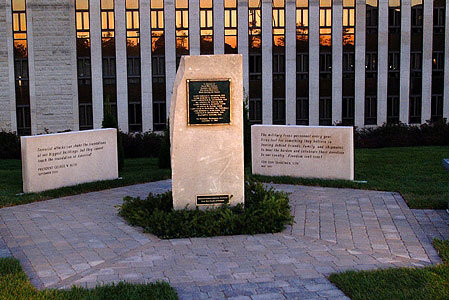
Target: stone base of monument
206,132
324,152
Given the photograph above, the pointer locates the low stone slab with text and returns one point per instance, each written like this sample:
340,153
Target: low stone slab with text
303,151
56,160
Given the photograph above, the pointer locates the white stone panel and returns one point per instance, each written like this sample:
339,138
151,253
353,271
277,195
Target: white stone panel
323,152
52,161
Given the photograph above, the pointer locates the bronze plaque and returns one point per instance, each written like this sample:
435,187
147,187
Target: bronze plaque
212,199
209,102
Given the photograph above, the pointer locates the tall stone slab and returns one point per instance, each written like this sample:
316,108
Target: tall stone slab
206,132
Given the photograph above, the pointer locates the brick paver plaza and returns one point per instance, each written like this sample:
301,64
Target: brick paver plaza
80,240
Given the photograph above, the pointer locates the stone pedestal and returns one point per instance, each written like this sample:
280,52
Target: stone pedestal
206,132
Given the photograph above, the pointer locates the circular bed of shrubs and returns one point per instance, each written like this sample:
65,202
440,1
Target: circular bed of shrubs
265,211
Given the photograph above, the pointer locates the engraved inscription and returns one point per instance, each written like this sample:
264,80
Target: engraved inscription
51,159
212,199
290,149
209,102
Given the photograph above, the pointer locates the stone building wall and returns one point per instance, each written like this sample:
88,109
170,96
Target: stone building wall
53,72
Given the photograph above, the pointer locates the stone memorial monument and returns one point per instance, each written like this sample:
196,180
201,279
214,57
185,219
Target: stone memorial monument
206,132
325,152
52,161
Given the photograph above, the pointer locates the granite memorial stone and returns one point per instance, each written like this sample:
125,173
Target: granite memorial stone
303,151
52,161
206,132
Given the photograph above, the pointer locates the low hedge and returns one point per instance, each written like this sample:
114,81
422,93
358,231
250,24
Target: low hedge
9,145
148,144
402,135
138,145
266,211
14,285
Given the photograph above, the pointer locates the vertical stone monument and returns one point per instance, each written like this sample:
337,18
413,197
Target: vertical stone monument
206,132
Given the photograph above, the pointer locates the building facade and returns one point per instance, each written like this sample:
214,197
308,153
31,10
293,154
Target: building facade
306,62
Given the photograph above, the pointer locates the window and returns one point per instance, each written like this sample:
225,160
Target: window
393,109
278,66
157,27
255,66
417,17
348,63
279,111
348,111
394,60
437,107
302,111
255,110
371,62
370,110
255,60
255,25
21,76
394,16
371,58
439,18
158,64
108,54
325,64
84,64
231,28
133,64
415,110
302,64
325,111
372,16
206,27
438,61
416,61
182,29
302,40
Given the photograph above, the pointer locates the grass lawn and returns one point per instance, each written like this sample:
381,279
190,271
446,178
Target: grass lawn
14,284
415,172
430,283
135,171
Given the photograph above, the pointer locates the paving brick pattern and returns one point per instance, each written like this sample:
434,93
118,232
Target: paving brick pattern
81,240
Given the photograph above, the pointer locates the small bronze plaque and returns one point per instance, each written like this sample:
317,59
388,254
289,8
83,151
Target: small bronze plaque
209,102
212,199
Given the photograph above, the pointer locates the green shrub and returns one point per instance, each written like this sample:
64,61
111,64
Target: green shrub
9,145
266,211
141,144
403,135
109,121
164,155
246,134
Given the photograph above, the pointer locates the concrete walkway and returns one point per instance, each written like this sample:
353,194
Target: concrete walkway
80,240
